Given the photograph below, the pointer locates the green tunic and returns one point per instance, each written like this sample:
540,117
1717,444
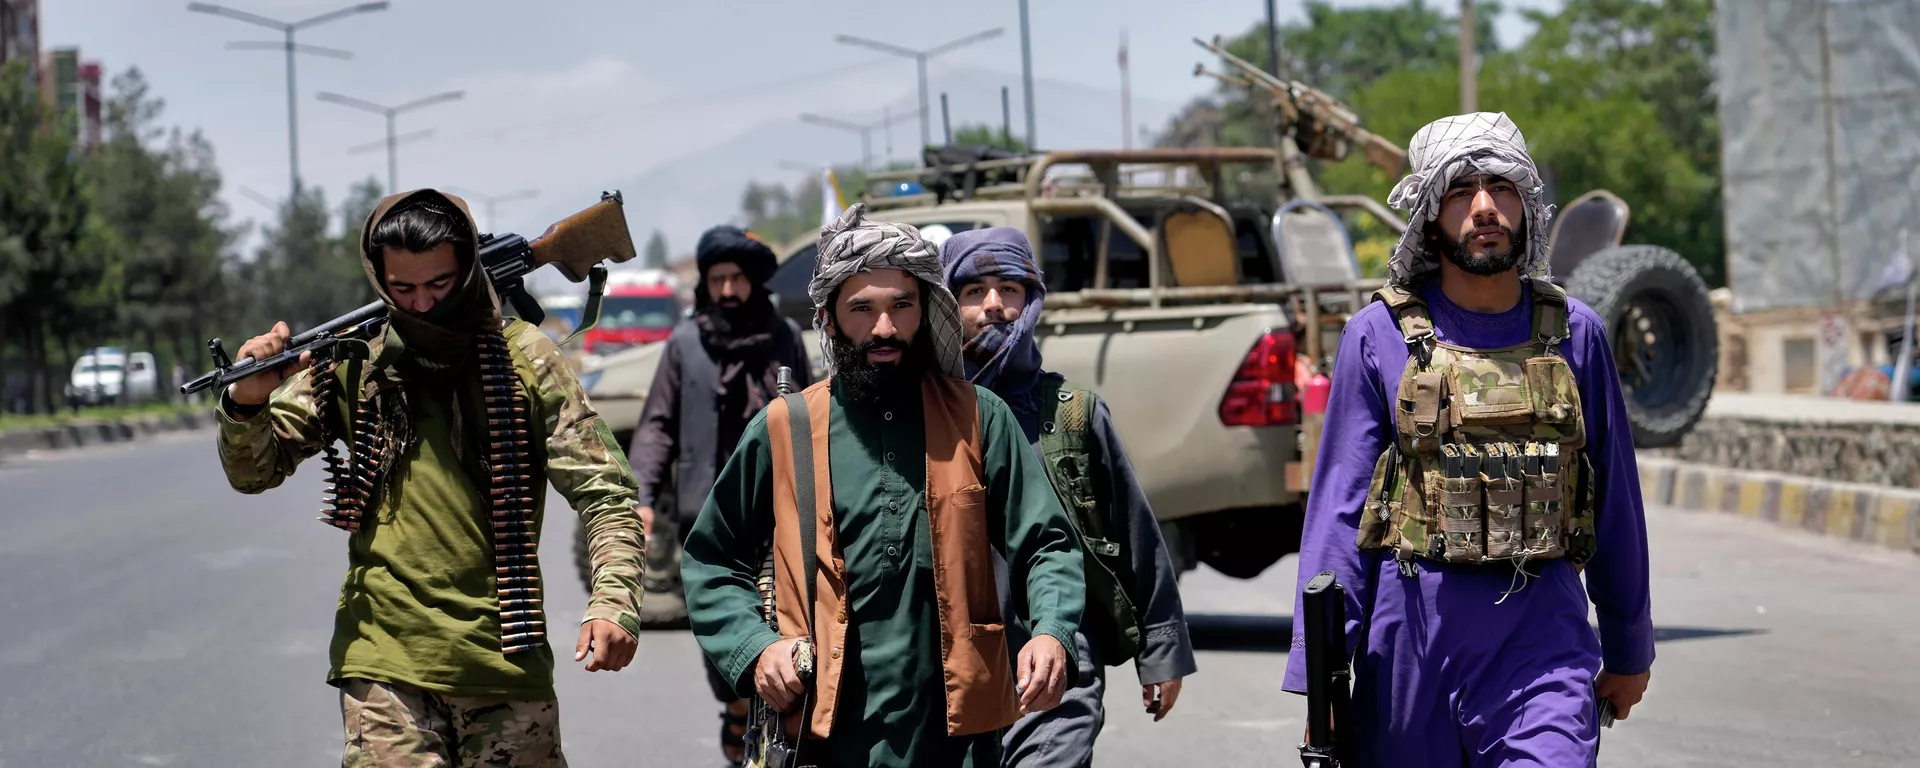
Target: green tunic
418,606
892,701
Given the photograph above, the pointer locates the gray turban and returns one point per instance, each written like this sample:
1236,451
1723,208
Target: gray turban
852,244
1452,147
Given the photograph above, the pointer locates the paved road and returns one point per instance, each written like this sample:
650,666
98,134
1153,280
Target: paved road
153,617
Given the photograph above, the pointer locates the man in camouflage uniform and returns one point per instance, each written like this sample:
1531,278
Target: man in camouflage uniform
1462,558
439,648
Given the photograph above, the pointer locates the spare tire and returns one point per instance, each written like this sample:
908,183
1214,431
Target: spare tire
1661,326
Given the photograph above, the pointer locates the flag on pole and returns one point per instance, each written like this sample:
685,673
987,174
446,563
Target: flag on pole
832,202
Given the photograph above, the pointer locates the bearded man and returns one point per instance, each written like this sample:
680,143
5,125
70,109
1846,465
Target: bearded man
883,491
439,643
718,370
1476,458
1133,594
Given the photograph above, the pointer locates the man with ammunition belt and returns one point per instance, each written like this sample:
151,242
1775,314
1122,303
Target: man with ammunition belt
882,491
717,371
1133,597
451,420
1477,458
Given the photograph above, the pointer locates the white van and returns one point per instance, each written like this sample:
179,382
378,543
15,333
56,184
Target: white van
105,375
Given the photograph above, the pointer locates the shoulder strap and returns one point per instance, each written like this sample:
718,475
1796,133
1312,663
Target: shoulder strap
1549,311
801,428
1410,313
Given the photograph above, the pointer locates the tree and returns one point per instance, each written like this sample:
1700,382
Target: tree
981,135
656,256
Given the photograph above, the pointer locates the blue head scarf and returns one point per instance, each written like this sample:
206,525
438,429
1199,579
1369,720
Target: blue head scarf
1003,358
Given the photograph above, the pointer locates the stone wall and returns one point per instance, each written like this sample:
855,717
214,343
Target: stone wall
1885,453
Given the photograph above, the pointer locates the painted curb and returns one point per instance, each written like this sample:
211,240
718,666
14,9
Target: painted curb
1872,514
81,434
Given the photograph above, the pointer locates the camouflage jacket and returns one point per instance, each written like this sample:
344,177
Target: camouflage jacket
582,461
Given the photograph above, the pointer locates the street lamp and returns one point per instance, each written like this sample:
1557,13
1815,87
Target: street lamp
288,28
865,131
920,58
393,184
493,200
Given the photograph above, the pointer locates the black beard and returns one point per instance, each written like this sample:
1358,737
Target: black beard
1483,264
862,381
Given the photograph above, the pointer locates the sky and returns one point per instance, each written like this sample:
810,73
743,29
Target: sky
677,104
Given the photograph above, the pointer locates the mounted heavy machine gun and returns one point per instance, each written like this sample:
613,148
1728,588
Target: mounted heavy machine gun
575,245
1317,124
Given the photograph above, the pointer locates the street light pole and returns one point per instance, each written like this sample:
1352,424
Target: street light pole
865,131
920,59
393,173
1026,73
288,28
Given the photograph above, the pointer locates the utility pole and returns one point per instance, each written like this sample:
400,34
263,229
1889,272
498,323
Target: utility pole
1026,73
288,28
1469,64
1126,97
920,59
865,130
1273,37
393,173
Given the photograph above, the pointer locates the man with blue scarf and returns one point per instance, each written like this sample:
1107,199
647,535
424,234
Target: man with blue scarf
1133,601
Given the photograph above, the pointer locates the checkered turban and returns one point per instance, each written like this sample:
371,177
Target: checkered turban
1452,147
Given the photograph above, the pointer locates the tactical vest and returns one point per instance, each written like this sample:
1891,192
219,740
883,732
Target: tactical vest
1066,440
1486,465
350,406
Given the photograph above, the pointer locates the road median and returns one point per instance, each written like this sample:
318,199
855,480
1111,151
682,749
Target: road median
1872,514
84,432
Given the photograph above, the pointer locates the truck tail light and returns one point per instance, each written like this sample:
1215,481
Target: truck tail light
1263,390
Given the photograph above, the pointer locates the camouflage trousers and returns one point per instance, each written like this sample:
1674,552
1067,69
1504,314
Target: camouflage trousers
389,726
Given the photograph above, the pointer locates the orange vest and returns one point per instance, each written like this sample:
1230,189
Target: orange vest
973,645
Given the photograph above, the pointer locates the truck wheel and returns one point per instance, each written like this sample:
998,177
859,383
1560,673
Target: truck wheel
1662,329
1243,543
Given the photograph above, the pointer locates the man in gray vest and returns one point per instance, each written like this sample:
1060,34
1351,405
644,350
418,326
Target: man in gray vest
1133,608
718,370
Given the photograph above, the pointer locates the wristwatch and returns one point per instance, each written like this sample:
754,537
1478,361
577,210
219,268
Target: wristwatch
803,658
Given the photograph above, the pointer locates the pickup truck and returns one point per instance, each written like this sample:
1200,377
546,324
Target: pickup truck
1200,373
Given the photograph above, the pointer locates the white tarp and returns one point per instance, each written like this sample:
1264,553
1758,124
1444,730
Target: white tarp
1820,145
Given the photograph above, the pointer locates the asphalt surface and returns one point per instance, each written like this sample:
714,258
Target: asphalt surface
151,616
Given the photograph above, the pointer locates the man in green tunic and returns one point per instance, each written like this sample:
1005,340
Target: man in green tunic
919,474
439,646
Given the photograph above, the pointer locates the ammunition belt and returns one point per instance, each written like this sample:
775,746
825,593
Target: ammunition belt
510,498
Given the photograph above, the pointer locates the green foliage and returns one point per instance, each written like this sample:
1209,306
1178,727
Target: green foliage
982,135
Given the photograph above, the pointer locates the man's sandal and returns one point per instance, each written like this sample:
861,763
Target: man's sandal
733,733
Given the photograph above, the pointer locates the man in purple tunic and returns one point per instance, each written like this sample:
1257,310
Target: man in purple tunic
1476,664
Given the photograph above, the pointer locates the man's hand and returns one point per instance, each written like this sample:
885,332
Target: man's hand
1624,690
1169,693
776,678
256,389
612,647
646,523
1043,674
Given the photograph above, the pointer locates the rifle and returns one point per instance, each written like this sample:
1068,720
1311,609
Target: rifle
768,744
1328,695
575,245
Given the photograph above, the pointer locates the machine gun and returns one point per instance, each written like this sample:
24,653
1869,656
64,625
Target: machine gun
1328,695
576,245
1321,125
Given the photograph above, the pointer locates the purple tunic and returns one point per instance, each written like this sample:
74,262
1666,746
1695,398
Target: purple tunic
1447,677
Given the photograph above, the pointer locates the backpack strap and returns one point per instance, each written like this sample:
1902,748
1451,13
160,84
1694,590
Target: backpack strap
1550,324
1410,314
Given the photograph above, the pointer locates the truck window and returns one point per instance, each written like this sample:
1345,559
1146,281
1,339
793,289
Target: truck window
1072,247
789,286
638,312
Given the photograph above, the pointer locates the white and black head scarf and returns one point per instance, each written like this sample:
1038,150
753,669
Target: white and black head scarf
1452,147
852,244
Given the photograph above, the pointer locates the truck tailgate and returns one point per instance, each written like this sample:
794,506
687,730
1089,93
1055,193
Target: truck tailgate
1163,373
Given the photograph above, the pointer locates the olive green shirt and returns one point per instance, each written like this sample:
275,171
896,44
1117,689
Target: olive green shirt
892,697
418,605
